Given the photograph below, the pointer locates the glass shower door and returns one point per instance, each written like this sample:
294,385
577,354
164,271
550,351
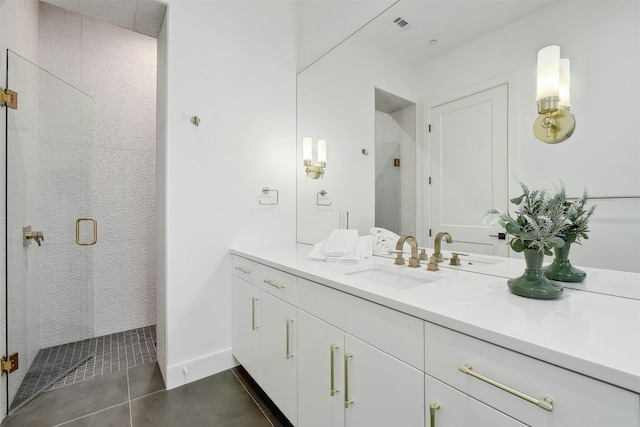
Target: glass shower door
49,187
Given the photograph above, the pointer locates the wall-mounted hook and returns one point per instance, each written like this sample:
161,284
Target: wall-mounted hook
195,120
323,194
267,190
365,152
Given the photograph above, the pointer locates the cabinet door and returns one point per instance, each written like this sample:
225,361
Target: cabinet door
320,382
278,353
382,390
245,325
447,407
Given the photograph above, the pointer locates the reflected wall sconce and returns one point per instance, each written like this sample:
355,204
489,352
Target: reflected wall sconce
554,123
314,170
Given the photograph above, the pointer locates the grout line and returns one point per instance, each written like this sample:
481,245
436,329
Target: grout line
88,415
129,399
252,398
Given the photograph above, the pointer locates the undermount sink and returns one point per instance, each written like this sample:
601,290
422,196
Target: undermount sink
398,277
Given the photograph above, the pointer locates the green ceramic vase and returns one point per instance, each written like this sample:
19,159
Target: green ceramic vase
561,269
533,283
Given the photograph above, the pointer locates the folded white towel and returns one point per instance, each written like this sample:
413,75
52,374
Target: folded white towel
362,248
341,242
386,241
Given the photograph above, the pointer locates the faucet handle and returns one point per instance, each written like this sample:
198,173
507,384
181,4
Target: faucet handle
433,264
399,259
423,254
454,258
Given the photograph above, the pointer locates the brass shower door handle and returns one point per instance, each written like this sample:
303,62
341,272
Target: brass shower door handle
95,231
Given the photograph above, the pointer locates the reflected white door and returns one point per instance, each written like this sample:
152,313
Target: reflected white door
469,172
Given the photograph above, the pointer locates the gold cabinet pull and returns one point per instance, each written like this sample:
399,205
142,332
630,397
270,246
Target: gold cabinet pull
288,352
347,401
95,231
274,284
253,313
432,413
332,349
546,403
243,270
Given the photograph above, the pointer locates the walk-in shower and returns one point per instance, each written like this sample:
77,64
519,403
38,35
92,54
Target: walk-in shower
48,206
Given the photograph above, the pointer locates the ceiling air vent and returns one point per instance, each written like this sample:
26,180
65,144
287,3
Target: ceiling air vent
401,23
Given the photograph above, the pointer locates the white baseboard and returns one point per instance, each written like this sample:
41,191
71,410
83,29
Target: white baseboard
196,369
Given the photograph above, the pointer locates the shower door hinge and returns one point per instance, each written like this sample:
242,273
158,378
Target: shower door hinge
9,98
10,363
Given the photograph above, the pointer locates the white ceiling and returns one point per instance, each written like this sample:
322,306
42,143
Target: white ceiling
452,23
141,16
324,24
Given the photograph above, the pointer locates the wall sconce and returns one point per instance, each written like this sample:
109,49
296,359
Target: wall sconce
554,123
314,170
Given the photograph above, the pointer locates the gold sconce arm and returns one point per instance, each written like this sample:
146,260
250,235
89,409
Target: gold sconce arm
554,124
314,170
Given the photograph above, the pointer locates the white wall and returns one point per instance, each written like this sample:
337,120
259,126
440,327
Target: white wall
233,64
336,102
602,40
18,32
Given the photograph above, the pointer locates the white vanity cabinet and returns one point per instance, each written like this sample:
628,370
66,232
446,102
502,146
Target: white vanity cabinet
527,389
264,330
344,381
245,325
448,407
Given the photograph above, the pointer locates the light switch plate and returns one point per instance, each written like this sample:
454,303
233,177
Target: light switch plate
344,220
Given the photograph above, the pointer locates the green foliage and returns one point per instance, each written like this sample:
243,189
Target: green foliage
577,218
539,223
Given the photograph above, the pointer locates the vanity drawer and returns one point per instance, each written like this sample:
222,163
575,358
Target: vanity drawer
395,333
577,400
278,283
246,269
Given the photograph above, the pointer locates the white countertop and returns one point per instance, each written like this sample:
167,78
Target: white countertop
592,333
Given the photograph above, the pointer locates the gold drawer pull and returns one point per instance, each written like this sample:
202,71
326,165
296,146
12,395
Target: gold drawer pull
347,401
243,270
546,403
432,413
332,349
274,284
288,350
253,313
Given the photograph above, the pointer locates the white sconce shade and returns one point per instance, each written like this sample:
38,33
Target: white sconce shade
548,72
307,148
565,84
314,170
322,151
554,123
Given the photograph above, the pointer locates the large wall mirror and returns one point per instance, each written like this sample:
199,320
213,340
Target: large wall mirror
389,100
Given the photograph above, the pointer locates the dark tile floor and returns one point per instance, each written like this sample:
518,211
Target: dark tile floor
136,397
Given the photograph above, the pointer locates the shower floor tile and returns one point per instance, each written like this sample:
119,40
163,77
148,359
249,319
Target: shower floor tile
111,353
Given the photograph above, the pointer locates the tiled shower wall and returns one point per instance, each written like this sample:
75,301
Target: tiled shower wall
397,132
117,67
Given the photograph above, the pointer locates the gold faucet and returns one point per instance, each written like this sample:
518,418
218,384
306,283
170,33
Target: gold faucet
413,261
436,246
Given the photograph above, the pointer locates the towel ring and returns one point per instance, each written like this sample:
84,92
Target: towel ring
323,194
267,190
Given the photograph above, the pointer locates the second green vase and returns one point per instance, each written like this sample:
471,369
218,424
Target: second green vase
561,269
